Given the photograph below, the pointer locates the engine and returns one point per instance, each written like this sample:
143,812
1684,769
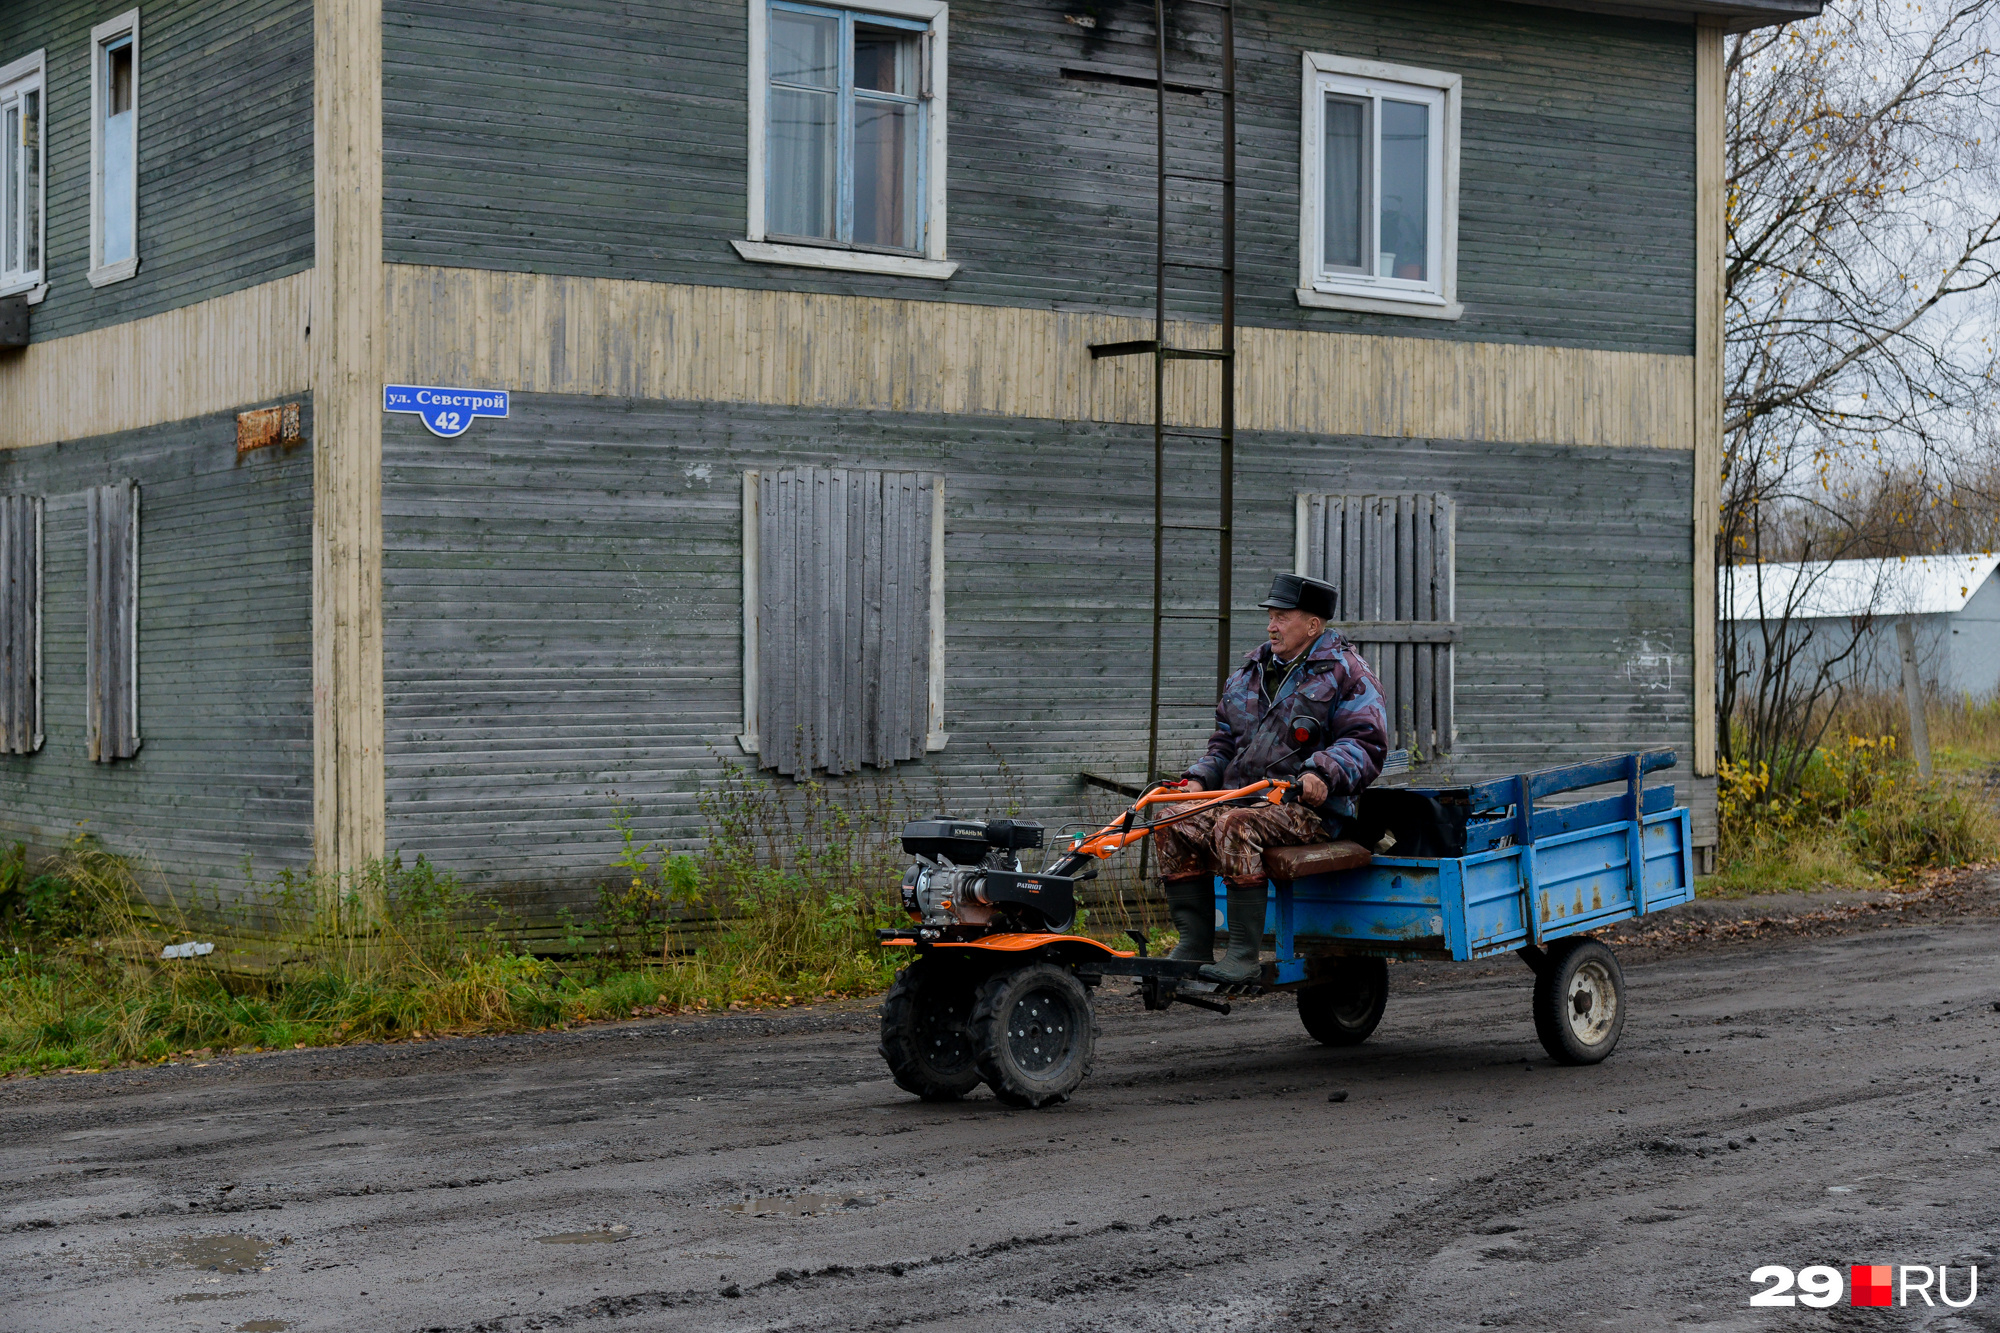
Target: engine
969,873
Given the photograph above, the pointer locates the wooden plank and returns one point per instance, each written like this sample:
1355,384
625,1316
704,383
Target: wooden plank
874,560
1351,574
917,515
1711,84
1404,557
348,306
1424,611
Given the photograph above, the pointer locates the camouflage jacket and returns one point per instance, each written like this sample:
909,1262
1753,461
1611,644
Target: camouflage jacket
1252,741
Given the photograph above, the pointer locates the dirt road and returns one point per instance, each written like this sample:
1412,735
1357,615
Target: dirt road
1796,1101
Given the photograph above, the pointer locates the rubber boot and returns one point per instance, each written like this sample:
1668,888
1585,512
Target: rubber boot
1191,903
1246,937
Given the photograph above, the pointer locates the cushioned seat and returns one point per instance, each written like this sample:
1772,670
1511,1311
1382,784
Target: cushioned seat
1286,864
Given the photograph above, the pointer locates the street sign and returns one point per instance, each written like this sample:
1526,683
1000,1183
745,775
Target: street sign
446,412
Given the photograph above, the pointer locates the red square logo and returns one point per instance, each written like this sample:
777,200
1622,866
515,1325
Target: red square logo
1870,1284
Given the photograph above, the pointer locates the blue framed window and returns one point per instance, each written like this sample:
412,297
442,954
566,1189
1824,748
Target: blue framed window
848,126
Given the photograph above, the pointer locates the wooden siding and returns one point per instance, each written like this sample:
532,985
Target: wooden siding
563,593
1710,112
244,347
347,379
525,136
537,333
224,665
225,154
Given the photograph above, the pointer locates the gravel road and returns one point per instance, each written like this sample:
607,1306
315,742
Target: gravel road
1799,1099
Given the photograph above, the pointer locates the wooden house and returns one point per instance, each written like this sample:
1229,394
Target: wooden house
806,463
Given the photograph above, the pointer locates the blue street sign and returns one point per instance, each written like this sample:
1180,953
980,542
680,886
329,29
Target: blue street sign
447,412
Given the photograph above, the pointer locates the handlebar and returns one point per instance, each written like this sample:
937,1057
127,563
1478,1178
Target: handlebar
1122,832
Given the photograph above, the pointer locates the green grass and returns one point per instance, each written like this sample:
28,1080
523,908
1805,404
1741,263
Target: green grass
396,951
64,1010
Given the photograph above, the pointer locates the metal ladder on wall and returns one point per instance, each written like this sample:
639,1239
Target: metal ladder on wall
1224,435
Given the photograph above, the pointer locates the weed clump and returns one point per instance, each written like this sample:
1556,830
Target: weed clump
1857,814
778,907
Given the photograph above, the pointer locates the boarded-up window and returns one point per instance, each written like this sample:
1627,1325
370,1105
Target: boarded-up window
1391,557
20,624
111,578
843,646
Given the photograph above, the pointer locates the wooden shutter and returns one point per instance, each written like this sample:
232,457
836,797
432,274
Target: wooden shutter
20,624
112,615
844,618
1392,557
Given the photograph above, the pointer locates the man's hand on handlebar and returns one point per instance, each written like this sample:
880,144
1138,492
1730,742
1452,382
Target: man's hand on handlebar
1187,784
1312,787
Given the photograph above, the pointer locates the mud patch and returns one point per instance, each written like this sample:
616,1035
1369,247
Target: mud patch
604,1236
213,1254
802,1205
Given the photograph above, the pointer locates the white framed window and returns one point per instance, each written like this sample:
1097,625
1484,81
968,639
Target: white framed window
847,137
23,195
114,149
1378,188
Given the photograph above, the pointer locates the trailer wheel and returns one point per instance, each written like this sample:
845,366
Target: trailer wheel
924,1037
1579,1001
1034,1034
1345,1010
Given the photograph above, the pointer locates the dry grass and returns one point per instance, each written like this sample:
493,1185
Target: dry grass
1965,736
1860,815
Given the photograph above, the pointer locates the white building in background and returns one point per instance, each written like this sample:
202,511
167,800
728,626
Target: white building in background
1952,600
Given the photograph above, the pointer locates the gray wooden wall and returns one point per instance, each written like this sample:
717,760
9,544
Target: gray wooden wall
607,139
225,151
225,657
563,602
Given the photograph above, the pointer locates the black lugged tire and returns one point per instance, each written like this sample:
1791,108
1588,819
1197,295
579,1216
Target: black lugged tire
1035,1034
924,1036
1579,1001
1344,1010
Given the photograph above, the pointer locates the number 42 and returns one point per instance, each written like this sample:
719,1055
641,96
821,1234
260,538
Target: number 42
1819,1286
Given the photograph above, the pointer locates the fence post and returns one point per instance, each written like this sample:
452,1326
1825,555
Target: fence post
1913,695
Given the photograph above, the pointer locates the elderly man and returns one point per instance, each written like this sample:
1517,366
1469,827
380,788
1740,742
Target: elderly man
1306,674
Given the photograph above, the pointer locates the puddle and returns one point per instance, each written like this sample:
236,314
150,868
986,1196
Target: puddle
214,1254
801,1205
263,1326
209,1296
606,1236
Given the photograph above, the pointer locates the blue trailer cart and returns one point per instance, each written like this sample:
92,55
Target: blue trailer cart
998,990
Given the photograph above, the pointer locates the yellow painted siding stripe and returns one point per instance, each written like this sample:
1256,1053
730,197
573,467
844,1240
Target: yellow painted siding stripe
213,356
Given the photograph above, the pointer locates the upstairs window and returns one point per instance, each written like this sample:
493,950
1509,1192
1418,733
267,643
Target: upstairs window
847,137
22,199
1379,188
114,149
